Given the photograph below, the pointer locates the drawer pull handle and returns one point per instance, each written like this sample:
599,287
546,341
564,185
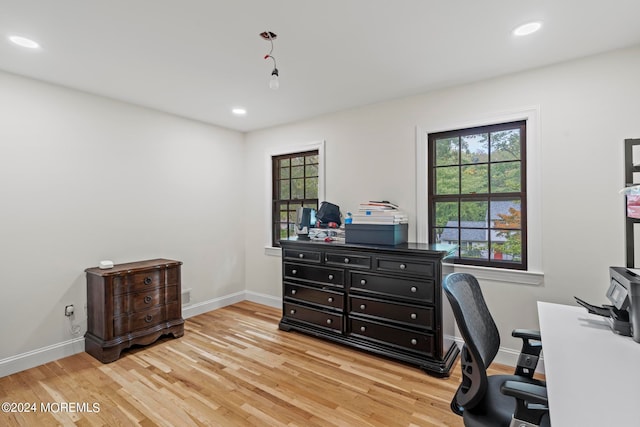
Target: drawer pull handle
414,289
329,321
403,266
330,299
331,277
301,256
363,328
148,280
293,291
414,316
294,272
148,318
292,311
346,260
414,341
362,306
147,299
363,282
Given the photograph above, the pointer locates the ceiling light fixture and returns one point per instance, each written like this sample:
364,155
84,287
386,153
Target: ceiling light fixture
274,83
239,111
24,42
526,29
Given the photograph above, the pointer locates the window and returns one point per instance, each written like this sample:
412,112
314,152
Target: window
477,195
295,184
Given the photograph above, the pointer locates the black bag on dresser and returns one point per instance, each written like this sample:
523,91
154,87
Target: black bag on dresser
327,213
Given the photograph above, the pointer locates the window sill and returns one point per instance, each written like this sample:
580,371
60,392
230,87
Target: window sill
271,251
500,275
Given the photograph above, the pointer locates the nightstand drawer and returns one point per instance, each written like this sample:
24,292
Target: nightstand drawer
325,297
314,316
419,290
418,342
136,321
138,301
415,316
137,282
313,273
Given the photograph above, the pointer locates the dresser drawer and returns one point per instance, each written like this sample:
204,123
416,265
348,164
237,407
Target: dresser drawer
313,273
310,256
347,260
325,297
421,317
138,282
419,290
142,320
404,266
138,301
418,342
324,319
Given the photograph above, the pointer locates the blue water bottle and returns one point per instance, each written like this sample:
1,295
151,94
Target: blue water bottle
348,219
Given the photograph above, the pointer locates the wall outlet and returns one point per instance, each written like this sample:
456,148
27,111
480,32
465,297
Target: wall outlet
68,310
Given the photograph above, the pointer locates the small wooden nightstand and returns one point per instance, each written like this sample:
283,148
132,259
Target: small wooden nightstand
132,303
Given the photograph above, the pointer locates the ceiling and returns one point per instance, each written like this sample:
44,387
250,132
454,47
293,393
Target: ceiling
201,58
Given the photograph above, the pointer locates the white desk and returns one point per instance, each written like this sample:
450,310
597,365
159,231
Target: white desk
593,375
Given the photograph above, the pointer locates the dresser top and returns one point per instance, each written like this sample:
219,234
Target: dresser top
131,267
440,250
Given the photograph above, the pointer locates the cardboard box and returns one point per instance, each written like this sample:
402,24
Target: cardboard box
374,234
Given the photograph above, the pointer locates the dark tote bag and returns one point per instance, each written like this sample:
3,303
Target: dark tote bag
328,213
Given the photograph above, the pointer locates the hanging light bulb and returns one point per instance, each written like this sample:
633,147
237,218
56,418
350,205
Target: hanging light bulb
274,83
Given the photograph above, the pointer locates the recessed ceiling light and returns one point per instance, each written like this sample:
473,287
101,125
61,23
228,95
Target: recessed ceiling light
239,111
24,42
528,28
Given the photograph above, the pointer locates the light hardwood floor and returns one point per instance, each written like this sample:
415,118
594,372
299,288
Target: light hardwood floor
233,367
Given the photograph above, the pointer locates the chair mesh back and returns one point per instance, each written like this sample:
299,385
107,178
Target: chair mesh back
478,331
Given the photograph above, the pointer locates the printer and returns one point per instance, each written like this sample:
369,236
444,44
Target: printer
624,295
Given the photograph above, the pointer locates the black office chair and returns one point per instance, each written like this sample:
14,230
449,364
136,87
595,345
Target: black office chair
497,400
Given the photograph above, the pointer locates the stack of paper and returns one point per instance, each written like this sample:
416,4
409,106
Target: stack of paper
379,213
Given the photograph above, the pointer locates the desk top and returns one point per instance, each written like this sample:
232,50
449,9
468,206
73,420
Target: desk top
593,375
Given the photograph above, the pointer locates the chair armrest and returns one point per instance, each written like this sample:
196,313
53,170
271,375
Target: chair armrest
532,393
531,401
528,334
530,353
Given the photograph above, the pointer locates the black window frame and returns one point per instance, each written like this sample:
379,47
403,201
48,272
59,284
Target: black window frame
487,196
290,204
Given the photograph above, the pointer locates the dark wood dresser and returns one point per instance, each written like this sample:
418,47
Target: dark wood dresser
132,303
384,299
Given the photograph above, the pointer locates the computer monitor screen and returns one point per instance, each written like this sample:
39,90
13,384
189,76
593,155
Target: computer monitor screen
306,219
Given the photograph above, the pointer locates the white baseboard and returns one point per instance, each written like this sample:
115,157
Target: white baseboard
212,304
40,356
43,355
268,300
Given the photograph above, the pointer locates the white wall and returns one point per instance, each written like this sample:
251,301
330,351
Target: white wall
587,108
84,178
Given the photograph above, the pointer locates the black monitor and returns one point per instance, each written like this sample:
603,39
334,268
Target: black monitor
305,220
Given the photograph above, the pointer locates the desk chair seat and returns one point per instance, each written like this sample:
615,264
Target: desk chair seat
497,400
